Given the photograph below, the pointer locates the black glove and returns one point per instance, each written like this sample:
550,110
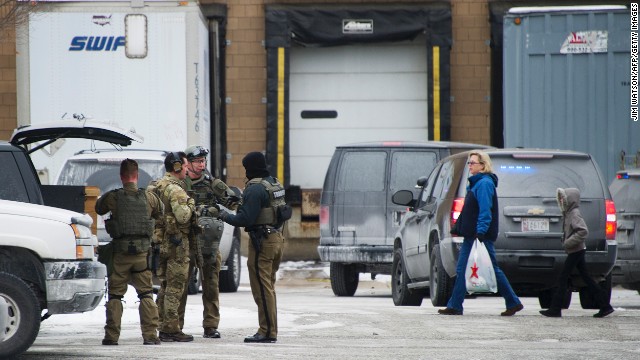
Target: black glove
175,240
207,211
222,214
481,237
231,202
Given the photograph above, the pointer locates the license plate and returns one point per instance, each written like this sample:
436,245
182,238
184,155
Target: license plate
535,225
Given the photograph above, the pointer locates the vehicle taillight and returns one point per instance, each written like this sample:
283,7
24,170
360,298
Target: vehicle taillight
324,215
611,224
456,208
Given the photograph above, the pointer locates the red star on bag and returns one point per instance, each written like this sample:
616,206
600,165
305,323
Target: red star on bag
474,271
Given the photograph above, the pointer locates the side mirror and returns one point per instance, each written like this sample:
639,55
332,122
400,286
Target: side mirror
422,181
403,197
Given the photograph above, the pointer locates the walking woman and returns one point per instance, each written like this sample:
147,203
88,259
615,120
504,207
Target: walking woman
479,219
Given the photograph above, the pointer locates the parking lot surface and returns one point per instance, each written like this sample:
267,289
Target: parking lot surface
315,324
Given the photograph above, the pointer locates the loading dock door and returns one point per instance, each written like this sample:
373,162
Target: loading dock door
344,73
355,93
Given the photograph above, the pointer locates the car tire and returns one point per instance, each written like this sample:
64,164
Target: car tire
588,301
344,278
230,278
440,284
194,282
545,297
23,323
402,295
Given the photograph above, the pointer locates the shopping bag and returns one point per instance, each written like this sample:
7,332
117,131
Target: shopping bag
481,278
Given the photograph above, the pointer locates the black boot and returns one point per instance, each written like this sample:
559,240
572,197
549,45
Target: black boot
551,313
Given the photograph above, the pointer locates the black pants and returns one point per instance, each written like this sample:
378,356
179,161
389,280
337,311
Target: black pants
576,260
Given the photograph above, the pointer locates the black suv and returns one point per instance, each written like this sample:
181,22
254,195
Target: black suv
625,190
528,246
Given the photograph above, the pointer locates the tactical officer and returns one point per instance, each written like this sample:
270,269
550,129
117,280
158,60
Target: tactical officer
131,227
208,192
175,245
262,213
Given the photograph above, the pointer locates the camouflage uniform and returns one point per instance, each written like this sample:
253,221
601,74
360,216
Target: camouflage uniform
131,244
173,267
208,192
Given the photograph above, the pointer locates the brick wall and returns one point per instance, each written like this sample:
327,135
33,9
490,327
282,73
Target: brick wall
8,107
470,71
246,84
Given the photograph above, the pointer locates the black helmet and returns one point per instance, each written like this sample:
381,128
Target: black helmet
196,151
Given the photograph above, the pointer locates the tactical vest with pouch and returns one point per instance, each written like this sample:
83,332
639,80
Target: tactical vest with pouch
212,228
207,190
201,192
211,234
278,210
130,225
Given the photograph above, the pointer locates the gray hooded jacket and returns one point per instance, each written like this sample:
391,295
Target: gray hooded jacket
574,228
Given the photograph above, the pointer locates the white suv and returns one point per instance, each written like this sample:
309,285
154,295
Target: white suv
101,168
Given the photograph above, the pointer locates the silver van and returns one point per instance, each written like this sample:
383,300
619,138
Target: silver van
358,221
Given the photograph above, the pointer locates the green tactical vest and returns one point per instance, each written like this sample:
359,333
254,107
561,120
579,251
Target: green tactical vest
273,214
130,226
200,190
206,190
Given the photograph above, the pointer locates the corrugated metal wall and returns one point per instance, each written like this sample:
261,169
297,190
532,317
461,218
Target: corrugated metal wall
566,83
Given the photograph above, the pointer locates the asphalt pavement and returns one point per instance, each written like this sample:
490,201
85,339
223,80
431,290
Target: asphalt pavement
315,324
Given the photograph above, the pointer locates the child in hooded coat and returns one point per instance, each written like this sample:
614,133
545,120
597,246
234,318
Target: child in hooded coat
575,233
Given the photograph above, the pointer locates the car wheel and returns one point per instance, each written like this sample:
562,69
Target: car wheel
588,301
230,278
545,297
23,316
440,284
344,278
194,282
402,295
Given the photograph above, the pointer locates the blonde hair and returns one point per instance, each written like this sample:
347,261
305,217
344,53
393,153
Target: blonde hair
484,159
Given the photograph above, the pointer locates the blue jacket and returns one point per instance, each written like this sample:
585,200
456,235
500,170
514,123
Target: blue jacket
479,214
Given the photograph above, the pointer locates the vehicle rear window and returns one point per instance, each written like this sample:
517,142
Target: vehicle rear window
626,193
12,184
362,171
541,177
408,166
106,174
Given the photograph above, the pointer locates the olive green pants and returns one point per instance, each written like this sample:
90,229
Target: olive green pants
131,269
262,278
210,275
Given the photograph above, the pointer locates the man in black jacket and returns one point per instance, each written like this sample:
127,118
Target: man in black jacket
262,214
